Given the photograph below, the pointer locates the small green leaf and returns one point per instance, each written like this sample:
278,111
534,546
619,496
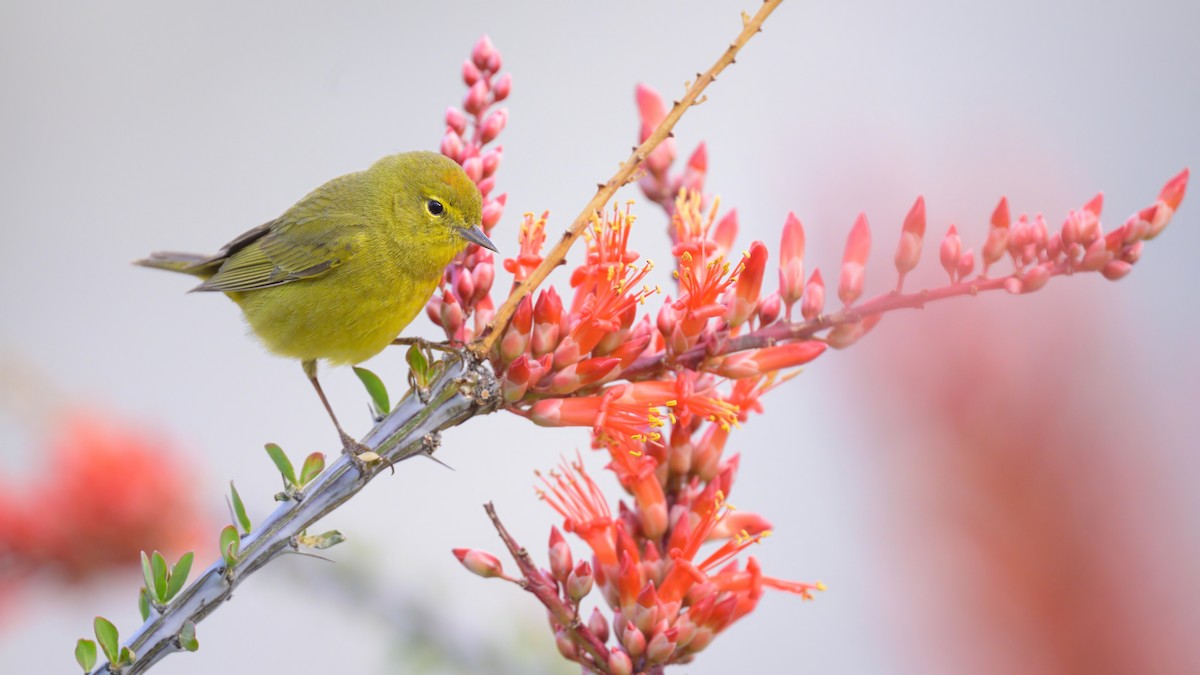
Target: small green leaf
144,604
314,464
106,635
230,543
325,540
127,656
147,572
187,637
378,392
282,463
179,575
159,565
239,509
417,361
85,654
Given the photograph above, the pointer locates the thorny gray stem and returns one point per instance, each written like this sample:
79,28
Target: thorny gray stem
464,389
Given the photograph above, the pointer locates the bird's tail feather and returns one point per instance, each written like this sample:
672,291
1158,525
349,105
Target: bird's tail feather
187,263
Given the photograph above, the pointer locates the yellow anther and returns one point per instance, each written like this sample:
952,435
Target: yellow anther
820,586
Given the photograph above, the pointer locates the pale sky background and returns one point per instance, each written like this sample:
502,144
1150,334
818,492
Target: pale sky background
129,127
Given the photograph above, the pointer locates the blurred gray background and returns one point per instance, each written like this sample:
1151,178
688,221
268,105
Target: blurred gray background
135,126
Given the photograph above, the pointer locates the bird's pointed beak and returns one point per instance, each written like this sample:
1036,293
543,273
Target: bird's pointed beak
476,236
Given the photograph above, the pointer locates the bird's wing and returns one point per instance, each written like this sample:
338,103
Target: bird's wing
316,235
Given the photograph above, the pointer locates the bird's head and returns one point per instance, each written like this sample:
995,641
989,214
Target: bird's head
436,201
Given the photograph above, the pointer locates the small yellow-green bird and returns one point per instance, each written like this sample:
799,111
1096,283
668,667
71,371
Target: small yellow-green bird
341,273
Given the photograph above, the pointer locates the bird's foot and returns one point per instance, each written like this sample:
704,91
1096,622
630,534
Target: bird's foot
426,344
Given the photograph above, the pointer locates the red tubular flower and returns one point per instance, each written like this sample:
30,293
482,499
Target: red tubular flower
769,359
854,261
577,498
530,241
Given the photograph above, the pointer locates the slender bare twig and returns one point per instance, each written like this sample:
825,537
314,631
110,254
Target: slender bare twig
546,592
555,257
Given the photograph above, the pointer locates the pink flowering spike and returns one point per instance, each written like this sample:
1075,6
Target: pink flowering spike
912,235
476,98
725,231
502,87
1168,201
456,121
791,262
452,146
997,238
950,252
749,285
854,261
966,264
814,297
493,124
482,563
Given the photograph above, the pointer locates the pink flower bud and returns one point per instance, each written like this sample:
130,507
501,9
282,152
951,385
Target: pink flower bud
633,640
451,314
668,317
566,646
482,52
1116,269
491,160
769,359
452,146
492,212
1131,254
464,288
966,264
791,262
769,309
846,334
456,120
560,556
578,375
651,109
854,261
725,231
433,309
475,99
1036,277
950,252
1172,193
1095,257
661,646
493,124
502,87
997,238
482,563
619,662
697,167
912,235
483,275
470,73
598,625
749,285
486,185
517,378
1013,285
814,297
579,581
473,167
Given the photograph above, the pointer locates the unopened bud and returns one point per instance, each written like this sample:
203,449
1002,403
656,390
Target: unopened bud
814,297
854,261
493,124
482,563
950,252
579,581
619,662
456,120
475,99
560,556
502,87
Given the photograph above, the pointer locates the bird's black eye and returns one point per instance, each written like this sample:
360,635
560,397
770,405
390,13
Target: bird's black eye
435,207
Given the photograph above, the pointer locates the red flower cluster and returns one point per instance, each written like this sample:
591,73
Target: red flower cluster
661,396
112,491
